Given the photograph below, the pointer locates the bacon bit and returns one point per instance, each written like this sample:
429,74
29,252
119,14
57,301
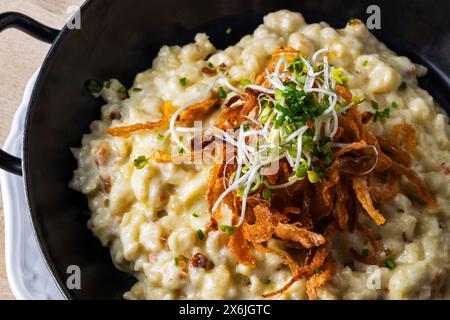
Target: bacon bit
106,184
168,109
344,93
363,195
209,71
223,67
405,238
446,168
115,115
199,260
101,156
201,109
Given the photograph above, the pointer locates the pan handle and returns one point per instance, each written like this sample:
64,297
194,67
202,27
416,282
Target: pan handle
38,31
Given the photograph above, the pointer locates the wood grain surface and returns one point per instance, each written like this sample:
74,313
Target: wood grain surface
20,56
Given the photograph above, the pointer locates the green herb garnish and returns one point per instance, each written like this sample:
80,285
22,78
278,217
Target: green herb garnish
316,271
352,21
302,170
390,264
364,253
385,113
365,63
267,194
245,82
183,81
93,86
265,281
177,261
222,93
108,84
374,104
140,162
229,230
137,89
200,234
402,86
229,30
161,137
313,176
400,210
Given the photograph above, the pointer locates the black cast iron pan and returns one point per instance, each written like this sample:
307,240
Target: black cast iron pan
120,38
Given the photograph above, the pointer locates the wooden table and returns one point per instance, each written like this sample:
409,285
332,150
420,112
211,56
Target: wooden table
20,56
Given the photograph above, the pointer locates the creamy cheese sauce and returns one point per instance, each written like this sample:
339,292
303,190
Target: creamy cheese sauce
150,217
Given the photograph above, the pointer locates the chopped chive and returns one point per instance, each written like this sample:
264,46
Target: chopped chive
108,84
122,90
351,21
140,162
402,86
183,81
390,264
364,253
200,234
374,104
160,137
267,194
365,63
266,281
246,127
316,271
137,89
210,65
195,215
222,93
229,30
313,176
229,230
385,113
93,86
245,82
394,105
177,261
400,210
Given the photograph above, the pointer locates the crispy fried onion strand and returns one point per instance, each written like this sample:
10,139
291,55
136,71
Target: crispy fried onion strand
303,218
194,112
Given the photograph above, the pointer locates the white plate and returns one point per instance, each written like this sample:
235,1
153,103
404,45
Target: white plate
27,272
